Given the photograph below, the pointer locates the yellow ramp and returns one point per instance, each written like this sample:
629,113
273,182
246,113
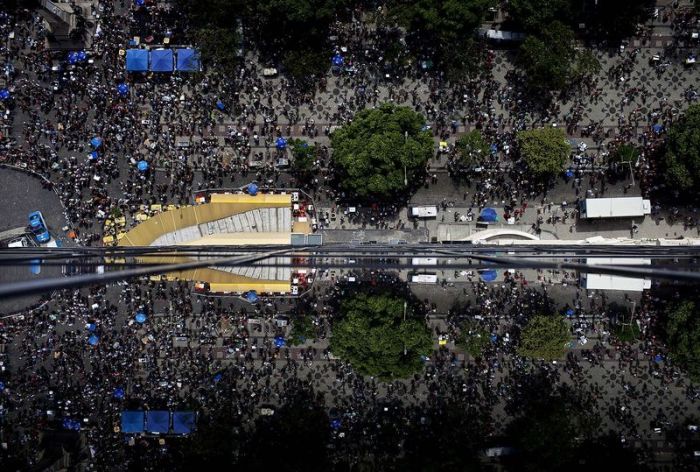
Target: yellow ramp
261,200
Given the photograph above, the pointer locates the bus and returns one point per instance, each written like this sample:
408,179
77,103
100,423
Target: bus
620,207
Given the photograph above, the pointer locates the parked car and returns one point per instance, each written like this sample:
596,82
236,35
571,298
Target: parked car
38,227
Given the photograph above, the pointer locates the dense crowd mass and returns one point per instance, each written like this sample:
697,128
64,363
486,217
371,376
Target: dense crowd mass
229,365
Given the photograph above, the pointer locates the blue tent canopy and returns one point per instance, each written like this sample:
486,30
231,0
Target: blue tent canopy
220,105
91,327
187,60
569,173
132,421
488,275
183,422
338,60
119,393
281,143
657,128
157,421
142,166
162,60
251,296
122,89
280,342
93,340
336,423
140,317
253,189
96,142
489,214
218,377
136,60
4,94
570,312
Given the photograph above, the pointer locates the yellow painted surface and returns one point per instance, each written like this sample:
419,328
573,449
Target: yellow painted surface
269,286
261,200
169,221
237,239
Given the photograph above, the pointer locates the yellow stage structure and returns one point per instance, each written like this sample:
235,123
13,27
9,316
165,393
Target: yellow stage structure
230,219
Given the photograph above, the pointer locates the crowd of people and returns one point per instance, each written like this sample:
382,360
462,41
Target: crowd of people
53,372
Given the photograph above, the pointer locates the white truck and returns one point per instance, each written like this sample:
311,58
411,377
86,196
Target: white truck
620,207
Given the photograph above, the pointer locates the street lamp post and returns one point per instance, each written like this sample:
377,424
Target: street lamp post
405,177
404,318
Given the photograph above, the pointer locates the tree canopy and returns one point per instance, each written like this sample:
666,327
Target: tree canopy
373,336
472,148
473,339
683,337
544,150
533,16
380,148
443,30
550,60
303,160
682,158
544,337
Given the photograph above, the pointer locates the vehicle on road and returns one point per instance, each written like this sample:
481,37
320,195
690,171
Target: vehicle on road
622,207
39,228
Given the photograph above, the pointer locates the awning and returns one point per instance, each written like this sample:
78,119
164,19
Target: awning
187,60
162,60
183,422
489,215
136,60
132,421
157,421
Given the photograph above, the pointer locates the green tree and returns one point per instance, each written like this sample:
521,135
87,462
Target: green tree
473,339
544,150
303,158
683,337
374,337
534,16
682,157
544,337
548,60
545,435
471,148
624,153
381,152
303,329
585,65
444,29
612,20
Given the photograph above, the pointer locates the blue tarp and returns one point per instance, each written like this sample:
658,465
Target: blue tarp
157,421
187,60
489,214
132,421
162,60
488,275
183,422
136,60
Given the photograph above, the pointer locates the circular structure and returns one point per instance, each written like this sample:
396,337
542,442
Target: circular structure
24,194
